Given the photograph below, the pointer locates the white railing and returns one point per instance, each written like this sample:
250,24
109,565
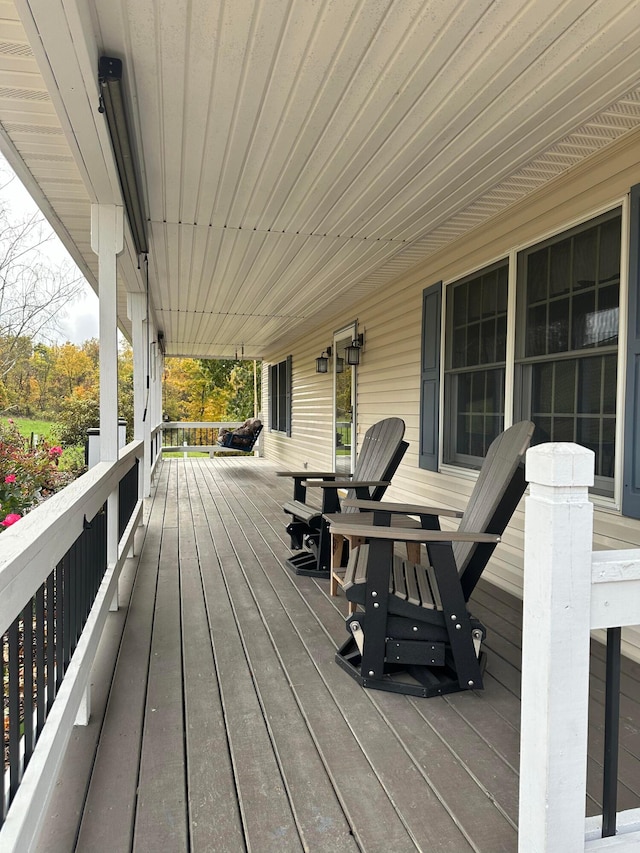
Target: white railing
156,449
569,590
30,551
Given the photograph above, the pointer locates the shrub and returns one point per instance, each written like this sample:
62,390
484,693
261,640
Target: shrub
77,415
73,460
26,476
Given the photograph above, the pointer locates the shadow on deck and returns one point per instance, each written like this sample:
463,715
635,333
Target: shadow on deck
226,725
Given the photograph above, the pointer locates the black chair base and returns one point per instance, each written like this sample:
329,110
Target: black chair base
423,681
306,563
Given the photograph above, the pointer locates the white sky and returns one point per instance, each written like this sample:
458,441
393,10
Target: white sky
81,320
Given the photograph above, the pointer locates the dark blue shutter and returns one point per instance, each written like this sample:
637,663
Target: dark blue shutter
430,377
273,396
631,488
288,394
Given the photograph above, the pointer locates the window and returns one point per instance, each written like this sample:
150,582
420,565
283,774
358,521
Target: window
565,349
476,341
280,396
567,339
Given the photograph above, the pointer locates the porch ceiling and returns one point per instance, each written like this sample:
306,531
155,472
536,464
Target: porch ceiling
296,156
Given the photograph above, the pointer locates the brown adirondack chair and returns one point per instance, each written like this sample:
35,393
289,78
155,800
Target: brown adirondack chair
415,634
380,454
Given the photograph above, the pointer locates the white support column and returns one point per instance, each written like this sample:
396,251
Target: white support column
555,649
137,310
107,241
157,388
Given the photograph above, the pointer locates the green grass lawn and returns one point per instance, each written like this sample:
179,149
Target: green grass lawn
44,429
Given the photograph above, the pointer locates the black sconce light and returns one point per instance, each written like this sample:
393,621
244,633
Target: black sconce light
339,364
352,352
322,362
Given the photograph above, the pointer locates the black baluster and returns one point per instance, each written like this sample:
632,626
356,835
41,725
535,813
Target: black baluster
28,662
14,709
59,621
50,651
41,689
611,733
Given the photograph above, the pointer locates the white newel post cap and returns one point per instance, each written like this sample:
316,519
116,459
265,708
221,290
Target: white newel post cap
560,464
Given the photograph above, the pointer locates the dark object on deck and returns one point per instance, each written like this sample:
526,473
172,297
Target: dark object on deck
380,454
242,438
415,635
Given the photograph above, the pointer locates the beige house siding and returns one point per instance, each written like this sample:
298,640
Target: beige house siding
310,440
389,374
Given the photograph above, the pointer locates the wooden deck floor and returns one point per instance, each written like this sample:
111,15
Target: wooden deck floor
227,726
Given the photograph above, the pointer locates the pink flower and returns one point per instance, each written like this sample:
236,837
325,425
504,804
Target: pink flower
55,452
10,420
10,519
10,478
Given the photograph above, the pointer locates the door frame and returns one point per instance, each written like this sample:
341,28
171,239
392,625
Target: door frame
350,332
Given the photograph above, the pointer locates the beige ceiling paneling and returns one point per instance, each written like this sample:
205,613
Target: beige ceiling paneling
295,155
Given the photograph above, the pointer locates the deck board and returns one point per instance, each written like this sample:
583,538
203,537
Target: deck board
318,815
228,726
267,605
213,804
109,812
161,819
263,801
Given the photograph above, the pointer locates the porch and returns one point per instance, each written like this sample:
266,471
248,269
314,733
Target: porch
226,724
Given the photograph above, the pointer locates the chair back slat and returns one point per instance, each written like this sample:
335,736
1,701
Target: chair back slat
495,496
380,454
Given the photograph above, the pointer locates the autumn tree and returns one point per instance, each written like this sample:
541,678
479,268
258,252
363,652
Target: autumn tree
80,410
237,379
190,393
73,368
243,394
42,367
34,292
16,380
125,386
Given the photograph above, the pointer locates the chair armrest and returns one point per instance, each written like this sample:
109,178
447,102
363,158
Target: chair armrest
300,481
402,509
347,484
317,475
363,519
403,534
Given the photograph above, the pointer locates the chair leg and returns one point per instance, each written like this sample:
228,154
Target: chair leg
337,542
354,542
334,583
335,580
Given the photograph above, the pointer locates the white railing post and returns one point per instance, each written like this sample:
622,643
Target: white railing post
137,312
259,451
555,649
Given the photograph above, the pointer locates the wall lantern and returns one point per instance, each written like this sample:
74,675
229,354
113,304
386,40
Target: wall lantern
322,362
339,364
352,352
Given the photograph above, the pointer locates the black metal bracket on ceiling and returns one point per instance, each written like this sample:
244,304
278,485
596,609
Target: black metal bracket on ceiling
112,105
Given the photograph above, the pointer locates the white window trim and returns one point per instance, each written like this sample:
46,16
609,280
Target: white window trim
602,502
